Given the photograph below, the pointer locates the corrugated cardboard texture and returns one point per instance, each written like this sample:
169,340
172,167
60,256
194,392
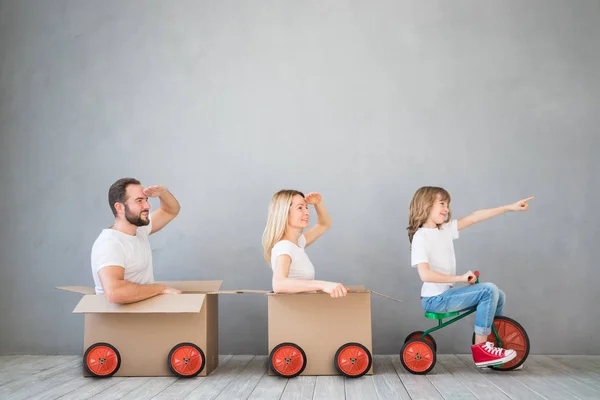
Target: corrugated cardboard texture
356,288
351,289
145,340
78,289
320,325
194,286
212,331
240,291
164,303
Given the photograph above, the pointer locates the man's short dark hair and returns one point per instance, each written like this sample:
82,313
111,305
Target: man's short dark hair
118,192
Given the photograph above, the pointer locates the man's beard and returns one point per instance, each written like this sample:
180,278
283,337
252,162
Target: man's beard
135,219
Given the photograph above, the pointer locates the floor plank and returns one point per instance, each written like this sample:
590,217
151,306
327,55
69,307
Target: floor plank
35,382
591,379
8,363
583,365
300,387
27,367
244,383
92,387
536,382
150,389
450,387
39,388
417,386
242,377
329,388
57,390
270,387
574,388
183,387
121,388
386,381
212,387
454,369
504,381
6,360
360,388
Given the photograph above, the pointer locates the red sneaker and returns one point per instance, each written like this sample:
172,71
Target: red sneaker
486,354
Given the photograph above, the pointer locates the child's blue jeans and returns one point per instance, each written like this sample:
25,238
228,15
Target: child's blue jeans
488,299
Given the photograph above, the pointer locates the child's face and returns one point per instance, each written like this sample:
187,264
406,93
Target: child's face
439,211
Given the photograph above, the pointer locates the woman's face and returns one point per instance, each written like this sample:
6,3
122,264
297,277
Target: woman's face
299,215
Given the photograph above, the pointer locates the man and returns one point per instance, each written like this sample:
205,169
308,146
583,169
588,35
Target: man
121,255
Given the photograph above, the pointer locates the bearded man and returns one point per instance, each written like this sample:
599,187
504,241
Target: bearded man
121,255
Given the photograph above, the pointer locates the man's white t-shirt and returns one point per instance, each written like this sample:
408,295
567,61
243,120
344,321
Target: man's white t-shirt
133,253
435,247
301,267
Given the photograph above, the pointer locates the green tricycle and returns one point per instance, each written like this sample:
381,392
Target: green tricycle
418,354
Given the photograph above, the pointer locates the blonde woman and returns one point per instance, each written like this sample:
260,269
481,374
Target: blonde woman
284,243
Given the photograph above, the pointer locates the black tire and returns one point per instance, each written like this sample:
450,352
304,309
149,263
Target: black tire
410,351
94,346
417,335
363,348
273,361
523,357
174,369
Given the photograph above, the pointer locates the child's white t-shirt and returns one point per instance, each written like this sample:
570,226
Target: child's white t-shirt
133,253
435,247
301,266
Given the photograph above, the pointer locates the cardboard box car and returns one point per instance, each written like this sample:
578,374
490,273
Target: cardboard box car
320,325
145,333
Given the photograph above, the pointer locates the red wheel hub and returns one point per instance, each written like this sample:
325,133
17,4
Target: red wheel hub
417,356
512,338
353,360
288,360
102,360
186,360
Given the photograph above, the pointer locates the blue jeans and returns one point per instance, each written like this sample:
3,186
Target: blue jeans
488,299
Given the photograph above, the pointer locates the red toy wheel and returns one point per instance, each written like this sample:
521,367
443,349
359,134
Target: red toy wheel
287,360
418,334
513,337
186,360
353,360
102,360
418,356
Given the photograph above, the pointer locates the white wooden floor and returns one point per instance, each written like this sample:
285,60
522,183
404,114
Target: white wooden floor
244,377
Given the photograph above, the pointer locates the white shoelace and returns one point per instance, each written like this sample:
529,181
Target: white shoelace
489,347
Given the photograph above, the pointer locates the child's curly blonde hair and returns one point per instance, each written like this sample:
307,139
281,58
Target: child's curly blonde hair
421,205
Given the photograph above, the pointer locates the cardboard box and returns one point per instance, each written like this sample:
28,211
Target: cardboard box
144,333
320,325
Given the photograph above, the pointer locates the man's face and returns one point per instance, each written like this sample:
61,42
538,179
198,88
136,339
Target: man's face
137,208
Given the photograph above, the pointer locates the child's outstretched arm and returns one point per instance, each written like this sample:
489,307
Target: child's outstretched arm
482,215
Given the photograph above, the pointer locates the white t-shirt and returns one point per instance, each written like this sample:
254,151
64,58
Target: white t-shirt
130,252
435,247
301,267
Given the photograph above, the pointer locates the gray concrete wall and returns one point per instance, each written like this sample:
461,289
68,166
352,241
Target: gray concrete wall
226,102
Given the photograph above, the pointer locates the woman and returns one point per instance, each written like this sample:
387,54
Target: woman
284,242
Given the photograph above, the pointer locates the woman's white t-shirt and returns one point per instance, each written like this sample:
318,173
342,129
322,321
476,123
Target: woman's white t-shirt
301,267
435,247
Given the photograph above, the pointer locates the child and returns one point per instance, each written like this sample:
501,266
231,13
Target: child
284,241
431,232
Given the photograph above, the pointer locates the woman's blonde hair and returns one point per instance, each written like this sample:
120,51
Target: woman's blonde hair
421,205
279,210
